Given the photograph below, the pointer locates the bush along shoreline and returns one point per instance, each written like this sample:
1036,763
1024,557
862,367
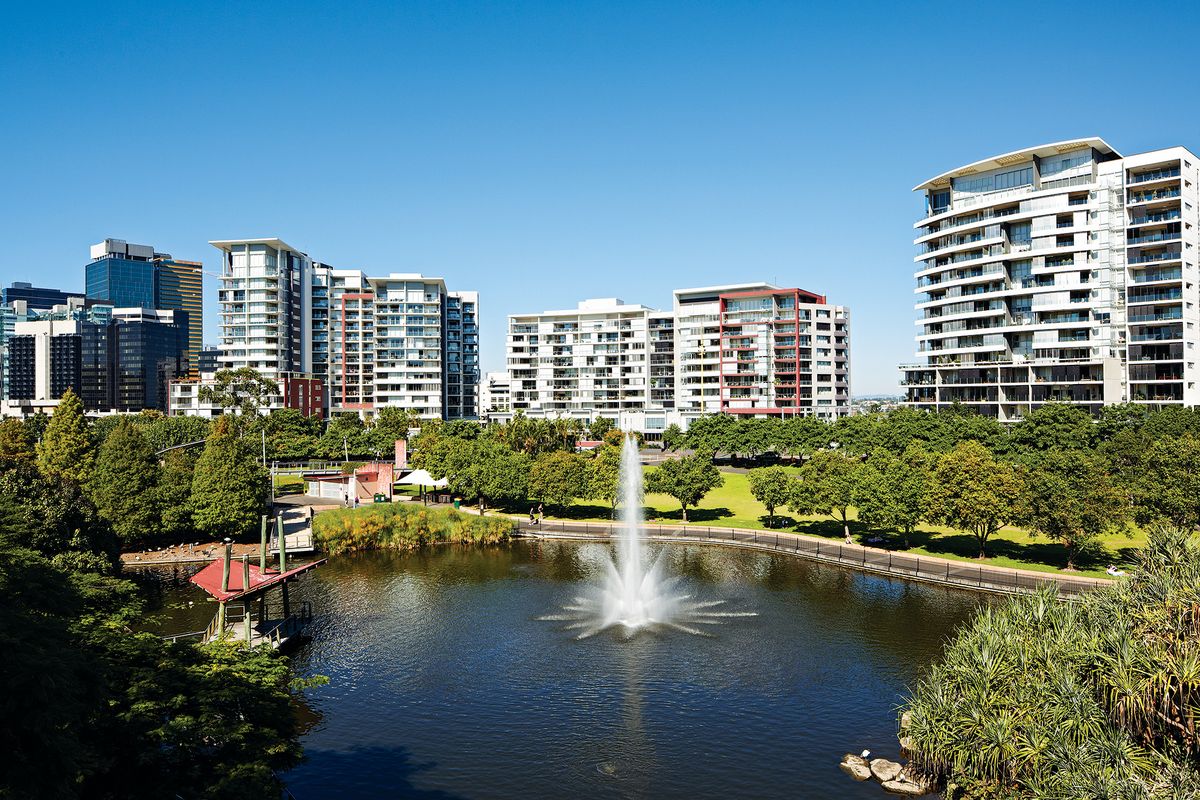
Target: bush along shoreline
395,526
1096,699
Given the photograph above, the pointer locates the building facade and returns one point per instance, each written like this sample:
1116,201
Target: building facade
1064,272
399,340
37,298
115,359
129,275
749,349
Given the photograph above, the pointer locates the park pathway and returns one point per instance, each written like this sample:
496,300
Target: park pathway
961,574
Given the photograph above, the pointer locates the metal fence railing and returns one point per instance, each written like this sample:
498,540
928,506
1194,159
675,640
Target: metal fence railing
902,565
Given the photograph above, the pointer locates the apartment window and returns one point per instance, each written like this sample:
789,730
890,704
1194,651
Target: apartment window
1020,233
939,201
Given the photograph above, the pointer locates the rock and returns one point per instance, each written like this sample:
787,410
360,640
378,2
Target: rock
856,767
905,720
885,770
906,744
908,784
905,788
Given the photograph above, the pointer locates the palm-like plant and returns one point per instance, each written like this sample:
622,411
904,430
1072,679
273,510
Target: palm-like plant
1095,699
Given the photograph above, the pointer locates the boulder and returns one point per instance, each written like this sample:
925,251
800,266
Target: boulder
904,788
905,720
885,770
906,744
856,767
908,784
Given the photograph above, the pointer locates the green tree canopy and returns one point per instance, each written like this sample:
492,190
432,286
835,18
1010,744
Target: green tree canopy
673,438
229,487
685,479
558,478
771,486
1070,498
292,435
124,484
599,427
827,484
243,390
974,492
345,436
66,450
604,475
16,445
1055,426
893,490
1167,486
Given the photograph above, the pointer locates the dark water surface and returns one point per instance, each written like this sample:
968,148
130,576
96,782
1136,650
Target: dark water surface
444,682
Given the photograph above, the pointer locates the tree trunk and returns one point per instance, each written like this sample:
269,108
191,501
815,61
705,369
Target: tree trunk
684,512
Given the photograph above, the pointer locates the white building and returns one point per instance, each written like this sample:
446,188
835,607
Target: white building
395,340
647,369
1064,272
495,395
265,298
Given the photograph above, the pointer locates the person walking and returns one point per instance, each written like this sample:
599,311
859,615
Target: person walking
532,521
541,514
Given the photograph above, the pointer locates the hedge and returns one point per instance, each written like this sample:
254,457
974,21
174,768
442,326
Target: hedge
397,526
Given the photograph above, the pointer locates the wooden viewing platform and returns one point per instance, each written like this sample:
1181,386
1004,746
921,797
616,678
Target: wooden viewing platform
240,590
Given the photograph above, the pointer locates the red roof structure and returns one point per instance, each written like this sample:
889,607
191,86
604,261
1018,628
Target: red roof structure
209,579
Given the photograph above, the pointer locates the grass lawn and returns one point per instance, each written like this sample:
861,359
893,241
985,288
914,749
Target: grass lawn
732,506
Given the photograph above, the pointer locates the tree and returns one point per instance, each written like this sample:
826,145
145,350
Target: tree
599,427
1167,487
175,494
827,485
1070,498
604,475
344,436
481,469
390,425
1055,426
771,486
124,484
173,431
291,434
54,517
893,490
558,478
673,438
975,492
243,390
16,446
685,479
66,450
229,487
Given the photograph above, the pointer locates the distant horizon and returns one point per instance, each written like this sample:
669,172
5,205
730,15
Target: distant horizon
543,154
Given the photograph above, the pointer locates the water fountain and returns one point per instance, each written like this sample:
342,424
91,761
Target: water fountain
632,596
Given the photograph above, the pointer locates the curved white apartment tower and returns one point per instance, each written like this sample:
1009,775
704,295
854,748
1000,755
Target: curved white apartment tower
1064,272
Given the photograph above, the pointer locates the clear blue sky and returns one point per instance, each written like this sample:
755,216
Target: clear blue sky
546,153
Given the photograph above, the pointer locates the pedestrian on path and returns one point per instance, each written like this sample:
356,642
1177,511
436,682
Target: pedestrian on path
541,514
532,521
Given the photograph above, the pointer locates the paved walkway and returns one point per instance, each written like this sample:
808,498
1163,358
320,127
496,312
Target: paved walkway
980,577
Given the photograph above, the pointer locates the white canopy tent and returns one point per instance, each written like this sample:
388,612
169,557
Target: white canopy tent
420,477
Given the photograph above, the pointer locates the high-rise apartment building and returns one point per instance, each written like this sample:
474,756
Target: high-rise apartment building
751,349
394,340
265,297
1064,272
784,352
135,276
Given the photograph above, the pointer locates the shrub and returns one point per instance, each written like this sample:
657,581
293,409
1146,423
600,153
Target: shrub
403,527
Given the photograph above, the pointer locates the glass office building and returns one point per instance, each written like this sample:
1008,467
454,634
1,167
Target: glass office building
39,298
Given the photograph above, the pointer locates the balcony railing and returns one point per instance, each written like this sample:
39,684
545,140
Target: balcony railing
1154,237
1156,175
